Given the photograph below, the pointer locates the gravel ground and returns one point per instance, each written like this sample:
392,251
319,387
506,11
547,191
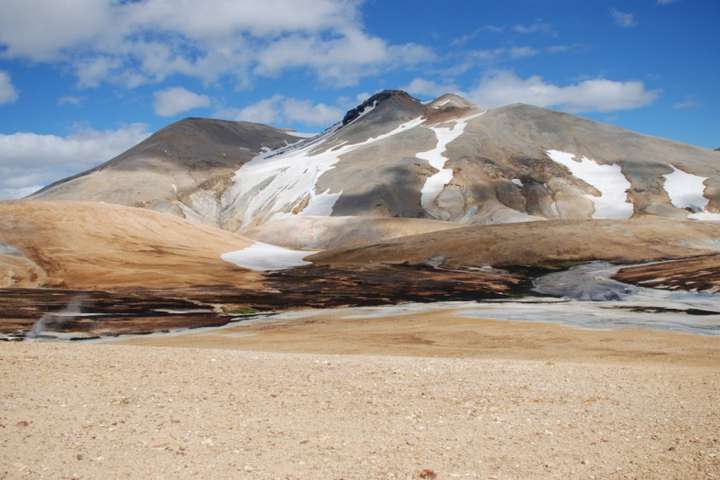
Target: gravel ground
110,411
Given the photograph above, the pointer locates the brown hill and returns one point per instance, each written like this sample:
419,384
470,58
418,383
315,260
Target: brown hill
539,243
96,245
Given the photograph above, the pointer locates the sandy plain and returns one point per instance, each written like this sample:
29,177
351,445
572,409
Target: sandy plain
414,396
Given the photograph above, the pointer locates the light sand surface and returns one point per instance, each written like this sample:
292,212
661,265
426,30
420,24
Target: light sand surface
446,333
109,411
542,401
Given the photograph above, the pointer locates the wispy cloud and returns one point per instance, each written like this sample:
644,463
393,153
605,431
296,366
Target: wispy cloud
69,100
8,93
686,104
519,28
623,19
470,59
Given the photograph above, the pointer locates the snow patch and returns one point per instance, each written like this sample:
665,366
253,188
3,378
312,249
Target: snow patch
608,179
9,250
517,182
263,256
705,216
295,133
366,110
686,190
435,184
281,183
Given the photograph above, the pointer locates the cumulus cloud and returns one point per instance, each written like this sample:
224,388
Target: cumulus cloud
623,19
172,101
8,94
146,41
596,95
430,88
280,110
29,161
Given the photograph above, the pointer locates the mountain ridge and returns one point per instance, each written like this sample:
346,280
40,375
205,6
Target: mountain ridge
394,156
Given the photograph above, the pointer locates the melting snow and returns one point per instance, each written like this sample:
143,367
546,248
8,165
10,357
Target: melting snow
686,190
517,182
274,183
706,216
366,110
435,184
608,179
295,133
263,256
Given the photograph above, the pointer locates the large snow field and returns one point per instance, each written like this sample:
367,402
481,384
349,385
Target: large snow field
276,181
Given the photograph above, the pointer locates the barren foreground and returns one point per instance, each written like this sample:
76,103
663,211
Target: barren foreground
101,411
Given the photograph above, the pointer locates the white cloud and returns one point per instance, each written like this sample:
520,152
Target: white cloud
666,2
39,30
8,94
523,52
429,88
91,72
280,110
623,19
69,100
267,111
524,29
303,111
686,104
133,43
341,61
537,27
29,161
172,101
597,95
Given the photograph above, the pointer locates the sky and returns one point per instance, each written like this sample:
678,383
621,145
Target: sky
83,80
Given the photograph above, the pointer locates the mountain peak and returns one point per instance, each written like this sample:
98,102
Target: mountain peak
450,100
396,98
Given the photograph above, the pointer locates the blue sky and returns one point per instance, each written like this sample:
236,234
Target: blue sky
83,81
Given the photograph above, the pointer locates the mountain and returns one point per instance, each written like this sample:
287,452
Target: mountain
172,164
399,201
393,156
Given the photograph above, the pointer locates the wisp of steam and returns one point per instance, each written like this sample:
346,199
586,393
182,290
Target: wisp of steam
74,307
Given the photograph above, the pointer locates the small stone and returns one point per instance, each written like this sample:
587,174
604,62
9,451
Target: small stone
427,474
